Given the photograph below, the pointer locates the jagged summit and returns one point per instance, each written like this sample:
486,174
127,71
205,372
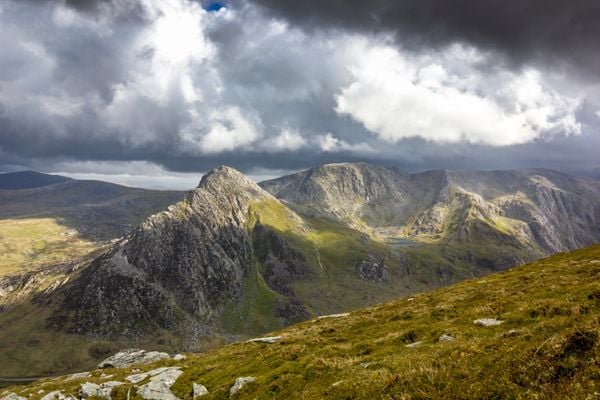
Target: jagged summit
224,175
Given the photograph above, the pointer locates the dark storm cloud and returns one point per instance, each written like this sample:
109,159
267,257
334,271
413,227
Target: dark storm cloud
550,30
86,85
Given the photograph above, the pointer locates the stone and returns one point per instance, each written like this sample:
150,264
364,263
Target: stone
179,357
446,338
240,383
56,395
415,344
129,357
106,389
80,375
159,386
199,390
102,390
268,339
88,389
136,378
340,315
12,396
487,322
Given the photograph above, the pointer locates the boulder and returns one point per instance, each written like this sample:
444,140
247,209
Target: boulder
102,390
199,390
159,386
12,396
240,383
129,357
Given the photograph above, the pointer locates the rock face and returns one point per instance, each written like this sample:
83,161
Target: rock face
336,237
537,209
177,269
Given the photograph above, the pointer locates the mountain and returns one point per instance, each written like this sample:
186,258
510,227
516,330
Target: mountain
235,259
97,210
531,332
28,180
539,210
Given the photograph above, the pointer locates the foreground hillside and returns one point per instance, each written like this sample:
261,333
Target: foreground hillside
543,342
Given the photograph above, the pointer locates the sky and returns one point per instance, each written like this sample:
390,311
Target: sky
154,93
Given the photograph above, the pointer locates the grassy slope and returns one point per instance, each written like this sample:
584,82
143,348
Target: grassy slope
547,346
28,243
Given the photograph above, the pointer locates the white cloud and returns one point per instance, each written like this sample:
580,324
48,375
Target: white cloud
230,130
330,144
287,140
397,96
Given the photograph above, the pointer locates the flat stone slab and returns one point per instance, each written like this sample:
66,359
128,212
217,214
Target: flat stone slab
159,386
487,322
414,344
129,357
340,315
268,339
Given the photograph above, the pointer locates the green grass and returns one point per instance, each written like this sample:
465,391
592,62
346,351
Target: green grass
547,347
26,244
254,313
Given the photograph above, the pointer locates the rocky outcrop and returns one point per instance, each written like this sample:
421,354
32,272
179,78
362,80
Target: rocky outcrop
537,210
175,271
129,357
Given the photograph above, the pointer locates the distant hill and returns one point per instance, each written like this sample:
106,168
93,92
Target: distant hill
97,210
29,180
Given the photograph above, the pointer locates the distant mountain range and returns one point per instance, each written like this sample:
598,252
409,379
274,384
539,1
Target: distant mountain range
97,210
28,180
235,258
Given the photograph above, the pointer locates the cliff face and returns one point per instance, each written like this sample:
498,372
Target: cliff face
540,209
177,268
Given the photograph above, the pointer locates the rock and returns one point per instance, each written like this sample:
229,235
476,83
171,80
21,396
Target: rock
179,357
159,387
487,322
446,338
136,378
80,375
129,357
510,333
341,315
103,390
337,383
416,344
365,364
12,396
240,383
268,339
372,270
199,390
57,395
106,389
88,389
